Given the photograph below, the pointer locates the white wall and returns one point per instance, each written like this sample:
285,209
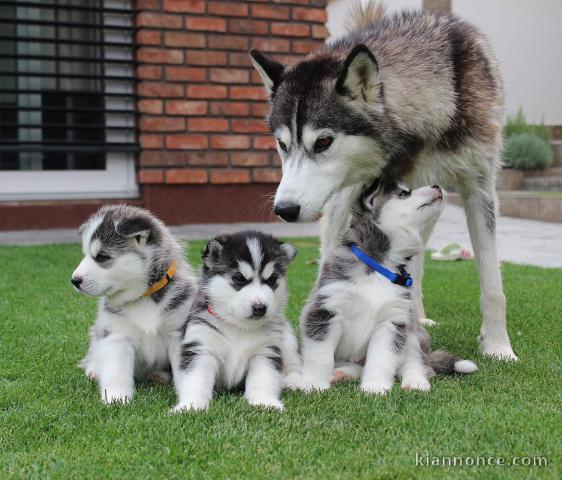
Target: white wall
527,37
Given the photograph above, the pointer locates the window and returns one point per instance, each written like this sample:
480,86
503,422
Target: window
67,99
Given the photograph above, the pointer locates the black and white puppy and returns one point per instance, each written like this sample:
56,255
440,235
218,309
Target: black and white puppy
361,309
237,333
137,269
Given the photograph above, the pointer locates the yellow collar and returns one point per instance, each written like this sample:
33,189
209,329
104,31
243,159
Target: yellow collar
160,284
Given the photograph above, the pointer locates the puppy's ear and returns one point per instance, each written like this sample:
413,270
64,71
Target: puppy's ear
289,250
82,228
270,71
359,78
213,250
138,227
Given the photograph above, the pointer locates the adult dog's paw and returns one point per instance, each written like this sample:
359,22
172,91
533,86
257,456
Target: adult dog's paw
497,350
376,387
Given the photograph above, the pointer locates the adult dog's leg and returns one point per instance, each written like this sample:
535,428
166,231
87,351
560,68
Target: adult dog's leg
481,207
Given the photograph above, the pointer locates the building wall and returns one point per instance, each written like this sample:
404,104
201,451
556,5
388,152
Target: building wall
202,104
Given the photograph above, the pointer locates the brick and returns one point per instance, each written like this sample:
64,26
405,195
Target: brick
206,91
148,4
290,29
192,74
209,24
249,159
271,44
182,39
187,142
320,32
235,142
310,14
228,42
306,46
270,11
297,2
154,107
260,109
229,75
158,20
249,126
247,93
207,125
186,107
267,175
230,109
230,176
186,6
151,176
159,55
239,59
162,90
286,59
149,72
210,159
228,9
162,124
319,3
149,37
153,158
184,175
198,57
239,25
151,141
264,143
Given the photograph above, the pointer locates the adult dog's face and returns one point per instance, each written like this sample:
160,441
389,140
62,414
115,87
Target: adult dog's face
116,248
325,115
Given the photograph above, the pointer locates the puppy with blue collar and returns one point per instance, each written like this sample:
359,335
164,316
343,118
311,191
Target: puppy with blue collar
360,316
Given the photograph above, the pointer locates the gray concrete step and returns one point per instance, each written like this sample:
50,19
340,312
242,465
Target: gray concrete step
543,184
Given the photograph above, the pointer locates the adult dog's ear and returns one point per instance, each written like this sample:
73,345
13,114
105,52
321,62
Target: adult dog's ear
139,227
359,78
270,71
212,251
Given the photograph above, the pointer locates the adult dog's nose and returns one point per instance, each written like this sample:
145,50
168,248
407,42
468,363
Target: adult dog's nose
287,211
76,281
258,310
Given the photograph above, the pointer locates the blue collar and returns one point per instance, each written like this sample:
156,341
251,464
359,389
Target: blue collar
402,278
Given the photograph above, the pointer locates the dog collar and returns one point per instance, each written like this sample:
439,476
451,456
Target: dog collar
402,278
160,284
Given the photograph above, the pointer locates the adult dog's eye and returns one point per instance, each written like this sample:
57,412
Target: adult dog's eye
323,143
404,193
102,257
282,145
239,279
271,281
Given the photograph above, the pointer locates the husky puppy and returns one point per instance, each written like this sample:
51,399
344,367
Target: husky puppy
237,332
361,310
137,269
417,96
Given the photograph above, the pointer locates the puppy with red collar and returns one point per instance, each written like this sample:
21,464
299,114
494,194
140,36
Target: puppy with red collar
236,334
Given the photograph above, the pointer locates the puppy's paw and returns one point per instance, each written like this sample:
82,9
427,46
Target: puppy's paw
376,387
91,374
115,396
418,382
160,377
293,381
267,402
192,405
313,385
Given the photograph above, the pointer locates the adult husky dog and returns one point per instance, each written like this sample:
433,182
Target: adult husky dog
416,96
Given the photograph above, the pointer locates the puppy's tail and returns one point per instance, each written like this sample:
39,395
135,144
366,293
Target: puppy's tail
447,363
364,13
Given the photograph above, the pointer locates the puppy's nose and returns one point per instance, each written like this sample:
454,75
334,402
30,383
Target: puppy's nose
258,310
76,281
437,187
287,211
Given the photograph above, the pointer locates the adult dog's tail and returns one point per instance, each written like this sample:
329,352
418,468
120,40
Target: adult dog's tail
364,13
448,363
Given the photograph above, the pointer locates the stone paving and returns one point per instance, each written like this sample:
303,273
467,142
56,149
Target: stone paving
519,241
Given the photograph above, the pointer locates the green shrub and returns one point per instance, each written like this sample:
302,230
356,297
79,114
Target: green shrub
526,151
518,124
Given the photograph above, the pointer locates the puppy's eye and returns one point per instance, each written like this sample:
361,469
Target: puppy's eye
323,143
239,279
102,257
282,145
271,281
404,193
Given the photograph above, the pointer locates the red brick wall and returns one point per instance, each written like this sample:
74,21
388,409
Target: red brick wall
201,104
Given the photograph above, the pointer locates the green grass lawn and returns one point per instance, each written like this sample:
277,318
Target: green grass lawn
52,423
